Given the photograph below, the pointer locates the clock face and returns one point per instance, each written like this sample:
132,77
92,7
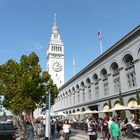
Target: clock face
57,66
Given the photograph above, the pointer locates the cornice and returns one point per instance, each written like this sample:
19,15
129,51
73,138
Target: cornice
116,47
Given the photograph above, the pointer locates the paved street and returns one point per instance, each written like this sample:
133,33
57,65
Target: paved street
81,136
75,135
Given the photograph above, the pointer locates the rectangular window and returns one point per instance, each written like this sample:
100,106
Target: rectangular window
131,79
70,99
106,89
97,91
83,96
89,93
74,99
78,97
117,85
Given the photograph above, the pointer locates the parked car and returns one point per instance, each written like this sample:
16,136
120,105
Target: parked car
7,131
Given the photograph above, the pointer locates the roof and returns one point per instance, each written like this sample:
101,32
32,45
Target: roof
121,43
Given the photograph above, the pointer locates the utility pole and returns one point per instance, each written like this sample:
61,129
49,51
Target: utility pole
47,117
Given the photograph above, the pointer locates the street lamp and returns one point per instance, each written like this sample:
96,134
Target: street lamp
47,116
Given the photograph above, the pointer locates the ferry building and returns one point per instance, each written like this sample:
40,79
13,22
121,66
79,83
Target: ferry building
115,71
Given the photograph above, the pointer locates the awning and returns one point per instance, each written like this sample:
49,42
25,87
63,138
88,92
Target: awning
77,113
136,107
119,107
105,109
132,103
90,112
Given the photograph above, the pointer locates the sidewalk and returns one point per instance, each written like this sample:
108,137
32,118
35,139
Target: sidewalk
81,135
77,135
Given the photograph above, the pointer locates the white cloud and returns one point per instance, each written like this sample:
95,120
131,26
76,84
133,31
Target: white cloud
37,46
34,46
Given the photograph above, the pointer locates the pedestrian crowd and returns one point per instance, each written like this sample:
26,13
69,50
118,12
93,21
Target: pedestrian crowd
107,128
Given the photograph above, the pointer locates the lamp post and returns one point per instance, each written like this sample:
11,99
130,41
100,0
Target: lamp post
47,116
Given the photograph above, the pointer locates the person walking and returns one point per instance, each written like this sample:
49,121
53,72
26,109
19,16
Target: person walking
66,129
29,131
92,131
52,127
109,124
114,129
104,129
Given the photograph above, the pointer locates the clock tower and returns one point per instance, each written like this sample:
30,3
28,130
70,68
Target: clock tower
55,56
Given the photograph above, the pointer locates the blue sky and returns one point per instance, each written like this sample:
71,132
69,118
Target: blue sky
25,27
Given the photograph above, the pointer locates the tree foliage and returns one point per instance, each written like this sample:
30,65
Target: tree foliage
122,113
138,98
138,102
110,106
23,84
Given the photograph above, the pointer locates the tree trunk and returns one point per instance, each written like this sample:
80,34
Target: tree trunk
32,121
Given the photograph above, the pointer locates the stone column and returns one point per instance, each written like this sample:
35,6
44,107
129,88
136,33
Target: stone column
111,85
123,80
137,71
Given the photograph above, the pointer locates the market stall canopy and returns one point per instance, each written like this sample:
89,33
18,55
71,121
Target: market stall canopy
77,113
119,107
132,103
90,112
136,107
105,109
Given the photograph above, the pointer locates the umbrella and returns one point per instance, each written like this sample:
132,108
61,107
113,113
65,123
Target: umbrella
105,111
77,113
90,112
119,107
136,107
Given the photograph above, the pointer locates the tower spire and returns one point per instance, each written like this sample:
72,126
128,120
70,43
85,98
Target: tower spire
54,17
55,26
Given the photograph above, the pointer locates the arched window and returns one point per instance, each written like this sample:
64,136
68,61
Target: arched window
78,93
83,90
116,76
73,92
96,85
69,111
66,103
130,70
88,83
95,79
105,81
70,97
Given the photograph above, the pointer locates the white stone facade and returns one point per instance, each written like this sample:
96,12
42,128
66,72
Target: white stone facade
116,70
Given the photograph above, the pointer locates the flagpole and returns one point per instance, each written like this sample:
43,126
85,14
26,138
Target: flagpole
101,46
100,40
73,64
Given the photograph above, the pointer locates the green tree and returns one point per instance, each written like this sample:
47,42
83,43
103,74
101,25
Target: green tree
122,113
138,98
23,84
109,103
138,102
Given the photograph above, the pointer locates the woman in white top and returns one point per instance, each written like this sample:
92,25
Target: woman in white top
92,131
66,129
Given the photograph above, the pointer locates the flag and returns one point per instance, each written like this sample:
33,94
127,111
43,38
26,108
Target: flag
99,34
100,39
